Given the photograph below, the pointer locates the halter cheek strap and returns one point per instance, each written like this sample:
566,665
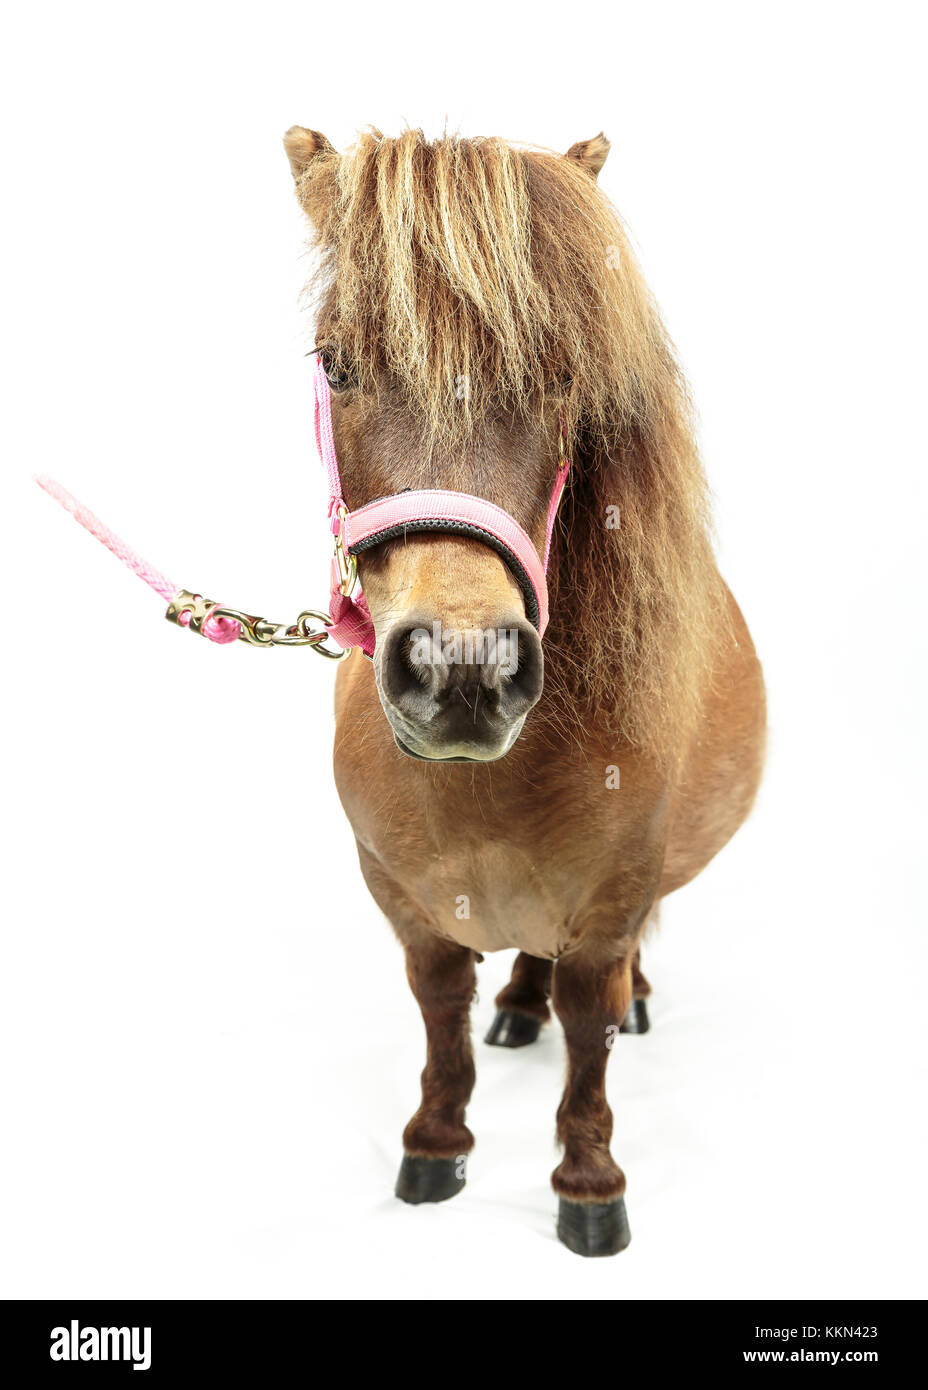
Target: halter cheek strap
424,511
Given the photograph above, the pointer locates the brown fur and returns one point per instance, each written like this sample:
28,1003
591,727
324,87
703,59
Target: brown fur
507,268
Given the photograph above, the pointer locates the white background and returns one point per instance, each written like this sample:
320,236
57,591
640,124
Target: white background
209,1049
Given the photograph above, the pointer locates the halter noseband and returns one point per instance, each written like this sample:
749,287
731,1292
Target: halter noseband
427,510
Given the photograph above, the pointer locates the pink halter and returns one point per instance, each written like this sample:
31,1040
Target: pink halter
430,509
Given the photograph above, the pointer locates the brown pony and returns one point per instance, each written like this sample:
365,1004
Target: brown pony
475,302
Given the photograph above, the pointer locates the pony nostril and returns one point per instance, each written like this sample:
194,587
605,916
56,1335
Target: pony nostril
522,675
407,668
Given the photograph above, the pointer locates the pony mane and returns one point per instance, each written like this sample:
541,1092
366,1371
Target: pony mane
479,274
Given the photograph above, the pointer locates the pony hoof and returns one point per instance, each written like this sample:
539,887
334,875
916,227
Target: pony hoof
429,1179
636,1020
593,1228
512,1030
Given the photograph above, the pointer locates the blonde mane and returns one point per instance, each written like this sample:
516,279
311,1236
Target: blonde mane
506,269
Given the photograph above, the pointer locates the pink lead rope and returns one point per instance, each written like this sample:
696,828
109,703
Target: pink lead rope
217,629
348,621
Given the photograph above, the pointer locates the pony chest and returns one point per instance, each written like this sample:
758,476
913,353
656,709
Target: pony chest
493,897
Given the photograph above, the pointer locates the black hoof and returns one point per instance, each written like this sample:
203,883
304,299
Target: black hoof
593,1228
430,1179
636,1020
512,1030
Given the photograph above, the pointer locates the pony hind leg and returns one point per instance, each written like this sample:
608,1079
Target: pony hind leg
636,1019
522,1007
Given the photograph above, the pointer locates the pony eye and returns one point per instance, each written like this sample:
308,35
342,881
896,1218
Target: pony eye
338,378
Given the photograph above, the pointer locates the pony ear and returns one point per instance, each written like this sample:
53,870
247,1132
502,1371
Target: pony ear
591,154
302,146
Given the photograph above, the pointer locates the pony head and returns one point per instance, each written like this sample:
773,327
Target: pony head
478,309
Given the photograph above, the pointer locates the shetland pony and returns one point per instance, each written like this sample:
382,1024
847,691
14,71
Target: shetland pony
479,311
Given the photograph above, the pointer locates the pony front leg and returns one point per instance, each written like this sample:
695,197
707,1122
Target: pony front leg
437,1141
442,977
591,998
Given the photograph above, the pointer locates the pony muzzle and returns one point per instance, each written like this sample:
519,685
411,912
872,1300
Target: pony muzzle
453,694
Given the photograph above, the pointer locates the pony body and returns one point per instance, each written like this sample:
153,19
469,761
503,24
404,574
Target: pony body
477,302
